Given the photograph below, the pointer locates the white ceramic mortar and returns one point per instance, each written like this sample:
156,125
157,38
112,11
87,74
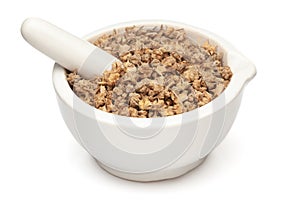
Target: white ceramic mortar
114,141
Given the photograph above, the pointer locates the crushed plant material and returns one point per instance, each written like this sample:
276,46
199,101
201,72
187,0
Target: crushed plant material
162,73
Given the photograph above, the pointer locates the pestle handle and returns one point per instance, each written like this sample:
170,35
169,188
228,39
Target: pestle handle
66,49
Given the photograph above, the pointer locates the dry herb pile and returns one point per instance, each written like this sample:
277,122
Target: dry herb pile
162,73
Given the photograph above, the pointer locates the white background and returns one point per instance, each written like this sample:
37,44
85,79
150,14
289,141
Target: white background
260,158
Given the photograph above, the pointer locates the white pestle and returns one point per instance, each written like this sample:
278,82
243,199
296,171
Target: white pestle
69,51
